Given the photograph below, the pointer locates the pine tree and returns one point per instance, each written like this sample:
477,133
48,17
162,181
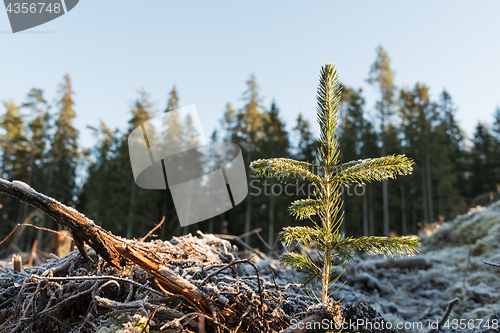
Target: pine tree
248,133
326,203
382,74
165,196
351,127
306,145
275,143
418,114
450,164
496,124
496,135
64,152
39,138
481,165
95,194
229,123
141,200
15,152
14,143
173,100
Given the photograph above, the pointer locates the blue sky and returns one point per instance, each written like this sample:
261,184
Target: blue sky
209,49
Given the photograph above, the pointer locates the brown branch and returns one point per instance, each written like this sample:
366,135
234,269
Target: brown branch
152,230
491,264
445,315
153,314
223,268
34,226
82,228
247,234
113,249
166,278
240,241
100,277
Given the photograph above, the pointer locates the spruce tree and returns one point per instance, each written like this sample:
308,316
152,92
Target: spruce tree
39,138
14,143
418,114
64,152
275,143
96,192
449,163
306,145
496,135
167,202
140,200
173,100
350,130
249,132
326,203
15,152
382,74
481,165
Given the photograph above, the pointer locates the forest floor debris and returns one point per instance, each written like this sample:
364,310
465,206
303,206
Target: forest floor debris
451,265
71,294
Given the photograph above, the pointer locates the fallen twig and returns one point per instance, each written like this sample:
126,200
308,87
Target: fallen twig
235,262
242,243
152,230
34,226
101,277
492,264
445,315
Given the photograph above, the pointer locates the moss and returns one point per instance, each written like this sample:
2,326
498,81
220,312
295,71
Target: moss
476,228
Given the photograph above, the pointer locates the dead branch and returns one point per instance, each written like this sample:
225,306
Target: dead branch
33,226
266,245
82,229
152,230
242,243
235,262
110,247
167,278
100,277
491,264
445,315
154,311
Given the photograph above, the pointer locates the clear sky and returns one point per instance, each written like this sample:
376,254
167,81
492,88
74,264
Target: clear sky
210,48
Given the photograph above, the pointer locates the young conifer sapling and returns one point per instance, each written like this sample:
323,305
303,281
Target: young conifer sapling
326,202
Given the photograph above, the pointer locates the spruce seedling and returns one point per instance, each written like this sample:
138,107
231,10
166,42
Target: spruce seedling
326,202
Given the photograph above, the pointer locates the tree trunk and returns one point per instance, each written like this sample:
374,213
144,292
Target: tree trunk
365,214
248,211
270,239
404,229
386,207
370,214
424,196
429,188
131,210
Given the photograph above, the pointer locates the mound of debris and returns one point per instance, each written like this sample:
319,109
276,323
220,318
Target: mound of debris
70,294
187,284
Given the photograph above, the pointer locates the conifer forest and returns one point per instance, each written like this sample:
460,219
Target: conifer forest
39,146
380,216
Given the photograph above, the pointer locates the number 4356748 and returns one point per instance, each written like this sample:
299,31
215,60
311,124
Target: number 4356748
33,8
